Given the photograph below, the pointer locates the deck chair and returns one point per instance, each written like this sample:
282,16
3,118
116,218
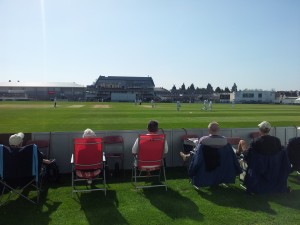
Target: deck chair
43,146
234,141
20,170
114,149
293,150
149,161
267,173
214,166
189,142
88,165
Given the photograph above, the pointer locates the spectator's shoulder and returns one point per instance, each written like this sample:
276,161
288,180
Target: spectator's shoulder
215,141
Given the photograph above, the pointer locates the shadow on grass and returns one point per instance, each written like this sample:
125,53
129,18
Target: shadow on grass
100,209
289,200
237,198
21,211
173,205
174,173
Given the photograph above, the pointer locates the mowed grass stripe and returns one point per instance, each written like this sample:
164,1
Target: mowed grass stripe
19,116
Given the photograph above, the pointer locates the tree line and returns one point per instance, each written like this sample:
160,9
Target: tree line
208,90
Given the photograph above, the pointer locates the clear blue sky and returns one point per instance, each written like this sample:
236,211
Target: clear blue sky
253,43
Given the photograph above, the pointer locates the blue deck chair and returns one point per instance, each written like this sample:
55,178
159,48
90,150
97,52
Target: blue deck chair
214,166
20,169
267,173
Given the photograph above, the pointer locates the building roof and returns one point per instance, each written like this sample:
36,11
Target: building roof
125,78
41,84
161,89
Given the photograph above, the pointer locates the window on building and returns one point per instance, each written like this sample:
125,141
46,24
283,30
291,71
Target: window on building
248,95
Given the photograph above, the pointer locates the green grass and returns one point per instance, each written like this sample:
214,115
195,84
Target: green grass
42,117
181,204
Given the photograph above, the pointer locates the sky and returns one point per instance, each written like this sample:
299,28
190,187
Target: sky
252,43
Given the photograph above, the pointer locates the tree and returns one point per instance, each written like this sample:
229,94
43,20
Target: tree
234,88
226,90
192,88
209,89
182,87
218,90
173,89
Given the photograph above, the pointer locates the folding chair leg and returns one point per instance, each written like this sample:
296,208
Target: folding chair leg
104,180
12,190
165,177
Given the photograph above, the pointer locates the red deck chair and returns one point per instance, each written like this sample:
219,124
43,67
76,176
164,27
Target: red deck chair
88,164
149,160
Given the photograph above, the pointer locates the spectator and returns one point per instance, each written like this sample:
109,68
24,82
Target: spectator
213,139
265,144
88,133
152,129
16,142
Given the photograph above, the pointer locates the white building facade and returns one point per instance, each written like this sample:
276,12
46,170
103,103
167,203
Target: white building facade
254,96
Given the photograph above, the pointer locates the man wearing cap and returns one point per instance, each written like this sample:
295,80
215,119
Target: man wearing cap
265,144
16,141
267,165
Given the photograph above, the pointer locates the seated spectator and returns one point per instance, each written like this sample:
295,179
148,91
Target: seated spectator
293,150
213,139
265,144
213,160
268,166
152,129
16,142
88,133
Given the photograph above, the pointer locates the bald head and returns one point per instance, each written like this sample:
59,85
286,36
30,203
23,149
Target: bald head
213,128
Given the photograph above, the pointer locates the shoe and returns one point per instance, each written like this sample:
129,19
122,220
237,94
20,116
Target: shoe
89,181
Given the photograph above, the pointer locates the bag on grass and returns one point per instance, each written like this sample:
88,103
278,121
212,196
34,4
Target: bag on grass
52,173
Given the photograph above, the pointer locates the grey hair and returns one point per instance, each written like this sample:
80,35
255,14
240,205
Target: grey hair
88,133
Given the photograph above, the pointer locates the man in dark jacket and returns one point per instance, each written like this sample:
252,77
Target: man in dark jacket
268,164
265,144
